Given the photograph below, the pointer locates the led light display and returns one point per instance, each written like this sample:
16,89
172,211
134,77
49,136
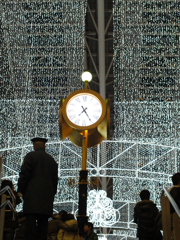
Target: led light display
146,100
42,47
146,69
100,209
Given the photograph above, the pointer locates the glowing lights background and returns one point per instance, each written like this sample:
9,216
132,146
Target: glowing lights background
146,68
41,54
42,59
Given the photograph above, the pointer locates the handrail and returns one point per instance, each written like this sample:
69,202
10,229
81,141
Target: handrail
7,188
8,202
174,204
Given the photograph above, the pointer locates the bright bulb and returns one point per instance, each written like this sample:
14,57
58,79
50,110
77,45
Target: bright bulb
86,76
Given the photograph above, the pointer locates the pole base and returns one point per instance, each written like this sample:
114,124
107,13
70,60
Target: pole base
82,220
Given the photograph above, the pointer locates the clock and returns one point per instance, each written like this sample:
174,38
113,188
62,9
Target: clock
84,109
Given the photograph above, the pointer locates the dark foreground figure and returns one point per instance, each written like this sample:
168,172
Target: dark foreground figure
37,185
145,213
89,233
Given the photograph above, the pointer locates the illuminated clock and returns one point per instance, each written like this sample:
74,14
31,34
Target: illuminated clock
84,109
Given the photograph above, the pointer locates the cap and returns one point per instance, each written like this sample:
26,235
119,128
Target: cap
38,139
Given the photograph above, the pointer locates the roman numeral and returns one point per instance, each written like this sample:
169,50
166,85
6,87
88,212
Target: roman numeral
97,110
77,99
70,110
95,117
72,104
83,123
71,117
84,98
91,99
77,121
96,104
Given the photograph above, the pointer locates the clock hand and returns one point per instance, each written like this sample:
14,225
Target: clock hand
83,110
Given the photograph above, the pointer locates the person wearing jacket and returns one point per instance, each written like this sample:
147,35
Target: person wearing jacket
9,224
145,213
37,184
175,194
89,233
175,191
70,232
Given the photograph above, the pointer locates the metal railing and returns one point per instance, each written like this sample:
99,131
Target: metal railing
8,202
170,222
4,203
174,204
9,190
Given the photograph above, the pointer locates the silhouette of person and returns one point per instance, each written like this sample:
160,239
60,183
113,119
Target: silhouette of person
37,184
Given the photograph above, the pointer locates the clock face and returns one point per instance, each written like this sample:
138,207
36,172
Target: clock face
84,109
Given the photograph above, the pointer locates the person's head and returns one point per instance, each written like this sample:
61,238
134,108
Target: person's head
39,142
176,179
69,216
144,194
88,227
63,215
7,182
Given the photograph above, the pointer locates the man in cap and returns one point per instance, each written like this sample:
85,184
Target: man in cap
37,184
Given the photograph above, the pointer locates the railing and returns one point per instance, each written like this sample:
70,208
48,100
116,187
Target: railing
174,204
170,232
0,166
9,190
4,203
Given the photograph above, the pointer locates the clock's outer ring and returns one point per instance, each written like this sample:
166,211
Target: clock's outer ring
79,92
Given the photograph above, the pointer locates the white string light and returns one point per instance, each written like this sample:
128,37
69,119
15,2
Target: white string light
100,209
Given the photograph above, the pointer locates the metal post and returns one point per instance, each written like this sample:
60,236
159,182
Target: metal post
2,215
82,218
102,75
0,166
101,47
84,149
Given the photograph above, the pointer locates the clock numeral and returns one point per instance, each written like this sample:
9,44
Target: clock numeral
97,110
96,104
96,117
72,104
70,110
83,123
84,98
91,99
78,99
77,121
71,117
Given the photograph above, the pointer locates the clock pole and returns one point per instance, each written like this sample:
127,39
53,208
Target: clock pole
84,149
82,134
82,218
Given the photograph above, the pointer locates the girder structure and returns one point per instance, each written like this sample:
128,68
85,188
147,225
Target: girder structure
133,166
92,33
99,48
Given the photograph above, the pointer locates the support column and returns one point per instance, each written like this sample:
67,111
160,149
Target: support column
101,47
0,167
102,76
2,215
